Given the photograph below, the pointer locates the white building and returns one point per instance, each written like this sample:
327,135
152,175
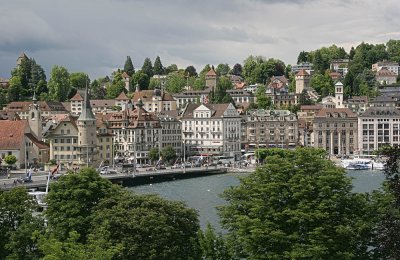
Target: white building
389,65
377,127
211,129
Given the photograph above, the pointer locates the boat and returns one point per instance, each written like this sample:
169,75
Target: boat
357,166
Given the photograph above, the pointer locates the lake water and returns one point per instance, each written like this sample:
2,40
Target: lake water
203,193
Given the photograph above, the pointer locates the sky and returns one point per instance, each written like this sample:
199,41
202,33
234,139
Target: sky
95,37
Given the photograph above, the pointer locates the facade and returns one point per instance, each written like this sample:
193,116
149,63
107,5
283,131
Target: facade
211,79
192,96
271,128
47,108
335,130
211,129
340,65
302,66
306,117
171,131
377,127
155,100
357,104
135,132
241,97
389,65
76,103
386,77
303,79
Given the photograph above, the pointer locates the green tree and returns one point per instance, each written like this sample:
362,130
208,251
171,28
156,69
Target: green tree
263,101
220,94
96,91
10,159
3,98
14,89
142,79
393,50
15,215
213,246
37,79
154,83
303,57
147,227
171,68
147,68
78,80
298,205
71,201
222,69
323,84
237,69
158,67
117,86
128,67
190,71
168,154
154,154
175,83
59,84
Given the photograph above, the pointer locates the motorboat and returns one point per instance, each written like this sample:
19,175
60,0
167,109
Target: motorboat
357,166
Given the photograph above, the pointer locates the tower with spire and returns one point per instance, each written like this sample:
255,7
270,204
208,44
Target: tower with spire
87,135
35,119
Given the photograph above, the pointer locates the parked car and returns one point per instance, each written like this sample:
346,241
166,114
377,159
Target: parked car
176,166
105,170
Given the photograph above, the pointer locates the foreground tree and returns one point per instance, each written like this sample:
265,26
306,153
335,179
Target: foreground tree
71,201
299,205
147,227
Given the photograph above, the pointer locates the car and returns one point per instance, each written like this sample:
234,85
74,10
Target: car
187,165
176,166
105,170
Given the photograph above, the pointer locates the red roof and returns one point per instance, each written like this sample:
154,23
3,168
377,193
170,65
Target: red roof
77,97
125,75
12,134
122,96
211,72
302,72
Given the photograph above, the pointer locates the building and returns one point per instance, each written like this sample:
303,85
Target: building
337,100
171,131
335,130
340,65
357,104
211,79
123,101
378,126
155,100
386,77
241,97
47,108
135,132
4,83
271,128
388,65
306,117
76,103
211,129
192,96
303,80
307,66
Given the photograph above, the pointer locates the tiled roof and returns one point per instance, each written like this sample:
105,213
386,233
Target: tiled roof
385,73
44,106
125,75
12,134
122,96
335,112
310,107
38,143
147,95
77,97
381,112
211,72
102,103
12,115
302,72
218,110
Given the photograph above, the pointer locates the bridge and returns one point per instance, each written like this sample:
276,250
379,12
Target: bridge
127,178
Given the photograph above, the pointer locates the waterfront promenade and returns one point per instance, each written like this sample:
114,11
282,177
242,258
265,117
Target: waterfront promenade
39,179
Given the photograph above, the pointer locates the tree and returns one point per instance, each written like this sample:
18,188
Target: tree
154,83
142,79
323,84
10,159
263,101
14,89
222,69
147,68
147,227
96,91
175,82
237,69
59,84
213,246
190,71
298,205
171,68
71,201
78,80
128,67
223,85
154,154
303,57
16,208
117,86
393,50
168,154
158,67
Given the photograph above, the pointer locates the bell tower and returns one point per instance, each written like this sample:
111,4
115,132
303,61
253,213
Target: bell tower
35,119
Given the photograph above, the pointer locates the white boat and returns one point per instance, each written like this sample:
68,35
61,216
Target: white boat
368,161
357,166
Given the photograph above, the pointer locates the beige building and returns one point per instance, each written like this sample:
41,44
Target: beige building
378,126
154,100
47,108
335,130
303,79
271,128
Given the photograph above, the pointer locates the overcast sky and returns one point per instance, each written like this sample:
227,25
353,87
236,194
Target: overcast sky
96,36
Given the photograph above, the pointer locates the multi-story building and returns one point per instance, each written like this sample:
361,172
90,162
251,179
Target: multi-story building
302,66
211,129
378,126
340,65
241,97
47,108
192,96
335,130
271,128
385,76
357,104
135,133
171,132
306,119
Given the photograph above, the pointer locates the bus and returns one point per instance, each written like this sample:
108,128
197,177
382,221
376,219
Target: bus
224,159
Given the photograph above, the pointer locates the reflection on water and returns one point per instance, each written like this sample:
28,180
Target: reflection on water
203,193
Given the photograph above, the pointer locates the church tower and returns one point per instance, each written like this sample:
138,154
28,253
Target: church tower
86,133
35,119
339,94
211,78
